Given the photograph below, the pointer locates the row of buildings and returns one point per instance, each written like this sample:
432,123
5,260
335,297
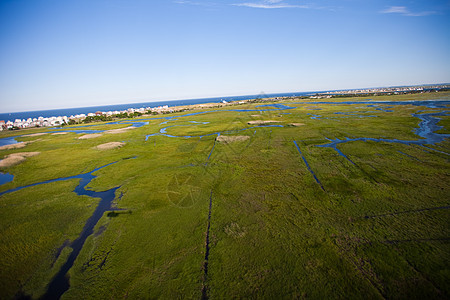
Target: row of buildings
61,120
33,122
391,90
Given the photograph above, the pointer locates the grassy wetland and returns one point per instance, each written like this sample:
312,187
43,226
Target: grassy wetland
307,198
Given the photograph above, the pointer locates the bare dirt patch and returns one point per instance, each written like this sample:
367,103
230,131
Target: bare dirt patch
36,134
14,146
111,145
296,124
229,139
119,130
90,136
16,158
59,133
260,122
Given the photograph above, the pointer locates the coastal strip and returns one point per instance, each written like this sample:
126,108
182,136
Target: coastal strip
72,116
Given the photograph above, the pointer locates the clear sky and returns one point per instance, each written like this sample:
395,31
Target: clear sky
73,53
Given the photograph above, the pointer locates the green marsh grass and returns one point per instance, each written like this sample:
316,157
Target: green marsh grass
379,229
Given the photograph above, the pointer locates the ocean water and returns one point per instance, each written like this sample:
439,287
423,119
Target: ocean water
85,110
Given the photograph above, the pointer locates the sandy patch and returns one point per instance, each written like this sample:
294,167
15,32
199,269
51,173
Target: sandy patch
120,130
59,133
14,146
90,136
36,134
206,105
111,145
112,131
16,158
296,124
260,122
229,139
255,116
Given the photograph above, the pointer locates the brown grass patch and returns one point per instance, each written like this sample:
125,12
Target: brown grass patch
16,158
111,145
14,146
260,122
119,130
229,139
36,134
90,136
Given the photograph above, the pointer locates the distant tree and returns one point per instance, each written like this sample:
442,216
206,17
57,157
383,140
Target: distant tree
100,118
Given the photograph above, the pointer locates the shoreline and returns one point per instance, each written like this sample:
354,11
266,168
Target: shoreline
171,104
131,113
136,106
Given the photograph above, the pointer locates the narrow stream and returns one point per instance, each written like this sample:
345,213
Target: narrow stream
307,166
85,177
136,124
427,131
205,263
163,132
212,149
60,283
410,156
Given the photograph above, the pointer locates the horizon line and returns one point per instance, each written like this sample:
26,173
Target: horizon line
213,97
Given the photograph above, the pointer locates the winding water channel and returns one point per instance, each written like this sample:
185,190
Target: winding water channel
308,167
207,248
427,129
60,283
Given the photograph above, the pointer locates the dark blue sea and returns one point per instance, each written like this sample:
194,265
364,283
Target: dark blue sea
85,110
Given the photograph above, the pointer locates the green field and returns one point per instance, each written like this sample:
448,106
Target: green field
375,223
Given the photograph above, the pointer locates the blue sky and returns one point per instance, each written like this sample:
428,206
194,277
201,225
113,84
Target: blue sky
73,53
